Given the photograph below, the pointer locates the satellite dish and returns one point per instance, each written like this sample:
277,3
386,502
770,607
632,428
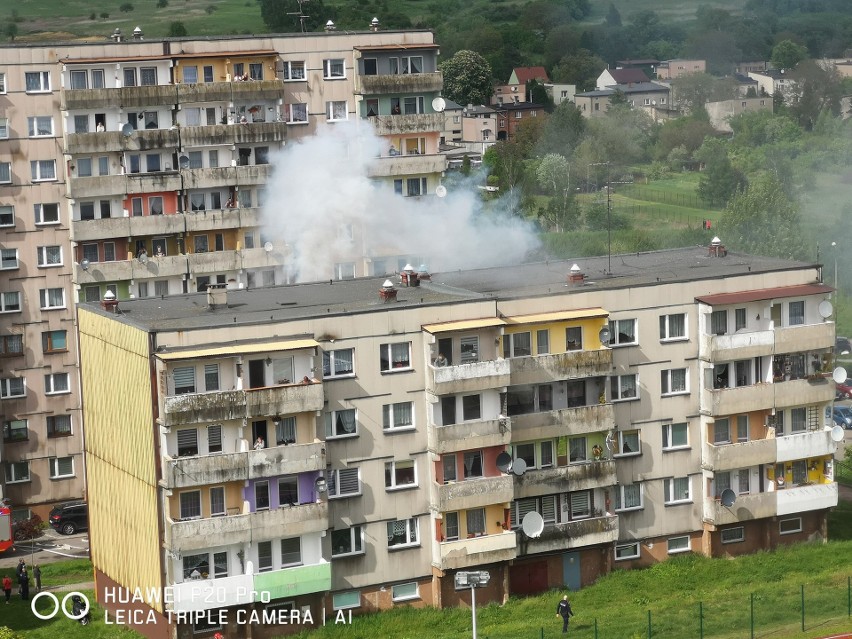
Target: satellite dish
441,190
825,309
127,130
268,247
439,104
728,498
837,434
604,335
504,462
839,375
519,467
183,161
532,524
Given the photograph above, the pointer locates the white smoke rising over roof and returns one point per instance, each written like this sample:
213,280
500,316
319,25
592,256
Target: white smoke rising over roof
322,205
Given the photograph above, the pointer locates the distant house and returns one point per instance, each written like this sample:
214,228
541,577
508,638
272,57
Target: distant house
613,77
646,64
652,96
842,65
511,116
751,67
744,83
670,69
515,90
721,112
772,81
479,127
452,131
560,93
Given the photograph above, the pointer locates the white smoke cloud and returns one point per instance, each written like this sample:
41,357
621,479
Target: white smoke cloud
322,204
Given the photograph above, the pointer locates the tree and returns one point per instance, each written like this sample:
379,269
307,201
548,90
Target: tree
817,89
787,54
563,130
282,16
505,161
692,91
467,78
126,7
177,30
11,31
554,176
581,68
162,4
719,180
613,17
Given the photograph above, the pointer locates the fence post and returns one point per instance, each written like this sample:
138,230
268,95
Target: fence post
700,620
649,624
752,615
542,632
849,596
596,628
803,607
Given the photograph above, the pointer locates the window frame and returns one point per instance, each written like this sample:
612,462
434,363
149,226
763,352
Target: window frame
55,469
620,498
356,538
50,384
329,69
52,431
36,170
333,482
43,79
797,521
668,491
666,334
667,382
4,306
668,436
412,533
288,71
11,474
331,110
387,359
45,253
614,332
5,172
673,549
389,417
636,554
9,430
392,479
616,385
405,597
734,529
331,426
7,212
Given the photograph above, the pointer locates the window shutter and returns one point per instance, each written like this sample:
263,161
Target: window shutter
214,438
184,380
349,483
187,437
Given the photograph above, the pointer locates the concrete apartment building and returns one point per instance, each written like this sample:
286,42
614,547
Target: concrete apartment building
138,169
342,446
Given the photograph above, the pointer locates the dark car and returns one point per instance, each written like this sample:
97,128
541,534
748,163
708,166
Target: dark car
69,518
842,346
846,413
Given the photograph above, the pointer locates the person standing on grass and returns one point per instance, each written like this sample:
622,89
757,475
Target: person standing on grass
563,609
37,578
25,584
7,587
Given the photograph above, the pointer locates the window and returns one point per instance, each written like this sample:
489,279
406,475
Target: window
343,600
40,126
294,70
739,320
398,416
395,357
155,205
574,338
475,522
56,383
49,256
187,442
628,497
733,535
415,186
673,381
473,464
622,332
623,387
184,378
535,454
208,73
2,83
81,125
15,430
677,490
800,472
291,552
469,349
37,81
264,556
348,541
43,170
544,506
97,78
542,341
211,377
297,112
343,482
581,504
722,431
333,69
577,449
148,76
214,438
61,467
5,172
285,430
675,436
413,105
8,259
255,71
451,526
17,472
785,526
4,128
336,110
11,345
152,161
7,215
261,495
627,551
719,322
338,363
797,313
400,474
448,464
288,491
405,592
678,544
471,407
52,298
517,345
402,533
190,75
10,302
90,252
341,423
673,326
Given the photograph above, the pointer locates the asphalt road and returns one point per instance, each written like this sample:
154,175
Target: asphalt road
48,548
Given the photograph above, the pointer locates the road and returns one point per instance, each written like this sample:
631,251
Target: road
48,548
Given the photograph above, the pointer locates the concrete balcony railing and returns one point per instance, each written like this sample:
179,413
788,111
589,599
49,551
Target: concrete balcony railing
407,165
144,225
284,400
125,184
739,346
469,435
185,472
227,134
467,378
397,84
812,443
292,582
116,141
230,91
582,476
477,551
719,457
253,174
261,258
475,493
736,401
802,392
581,420
214,262
102,229
99,272
745,508
572,534
542,369
170,94
194,595
801,339
404,124
166,266
197,408
214,219
799,499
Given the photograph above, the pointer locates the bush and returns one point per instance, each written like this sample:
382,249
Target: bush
162,4
126,7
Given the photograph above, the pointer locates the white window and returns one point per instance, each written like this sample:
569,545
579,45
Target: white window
344,600
416,186
338,363
8,259
349,541
4,128
627,551
678,490
623,387
7,215
733,535
294,70
400,474
2,83
395,357
628,442
336,110
5,172
56,383
673,326
333,69
628,497
49,256
190,505
581,504
797,313
790,526
398,416
190,75
297,112
451,526
17,472
622,332
61,467
184,378
343,482
40,126
673,381
43,170
544,506
675,436
52,298
341,423
722,431
37,81
11,387
678,544
719,322
517,345
405,592
10,302
47,213
402,533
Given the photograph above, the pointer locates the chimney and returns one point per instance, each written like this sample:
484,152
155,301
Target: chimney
716,248
408,277
576,277
217,296
329,26
374,25
109,303
116,35
388,292
423,274
137,33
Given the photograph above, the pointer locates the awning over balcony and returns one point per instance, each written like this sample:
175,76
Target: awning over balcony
558,316
759,295
243,349
463,325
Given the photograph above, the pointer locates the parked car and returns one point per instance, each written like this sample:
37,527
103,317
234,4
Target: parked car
846,413
842,346
843,391
70,517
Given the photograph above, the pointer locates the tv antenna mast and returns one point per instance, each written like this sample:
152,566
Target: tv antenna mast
301,14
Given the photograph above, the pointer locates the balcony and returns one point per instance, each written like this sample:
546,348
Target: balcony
467,378
745,508
406,165
478,551
812,443
261,258
583,476
581,420
800,339
469,435
738,455
542,369
475,493
115,141
213,220
195,594
198,408
98,272
739,346
166,266
397,84
124,97
408,124
572,534
734,401
227,134
218,177
125,184
292,582
799,499
282,400
214,262
102,229
141,226
801,392
229,91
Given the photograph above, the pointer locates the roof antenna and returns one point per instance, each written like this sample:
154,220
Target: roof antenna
301,14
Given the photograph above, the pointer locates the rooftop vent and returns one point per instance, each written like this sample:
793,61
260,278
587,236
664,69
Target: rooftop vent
409,276
388,292
374,24
109,303
116,35
423,274
716,248
137,33
575,276
329,26
217,296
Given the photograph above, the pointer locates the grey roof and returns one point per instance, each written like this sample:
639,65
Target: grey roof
326,299
626,89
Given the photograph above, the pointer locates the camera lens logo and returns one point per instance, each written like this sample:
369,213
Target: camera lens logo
56,606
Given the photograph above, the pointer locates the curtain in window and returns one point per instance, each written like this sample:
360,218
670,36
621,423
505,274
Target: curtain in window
680,488
285,431
631,496
577,449
473,465
217,501
723,482
399,355
677,325
476,521
346,421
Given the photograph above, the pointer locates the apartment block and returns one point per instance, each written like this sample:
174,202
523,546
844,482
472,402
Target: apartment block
351,446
